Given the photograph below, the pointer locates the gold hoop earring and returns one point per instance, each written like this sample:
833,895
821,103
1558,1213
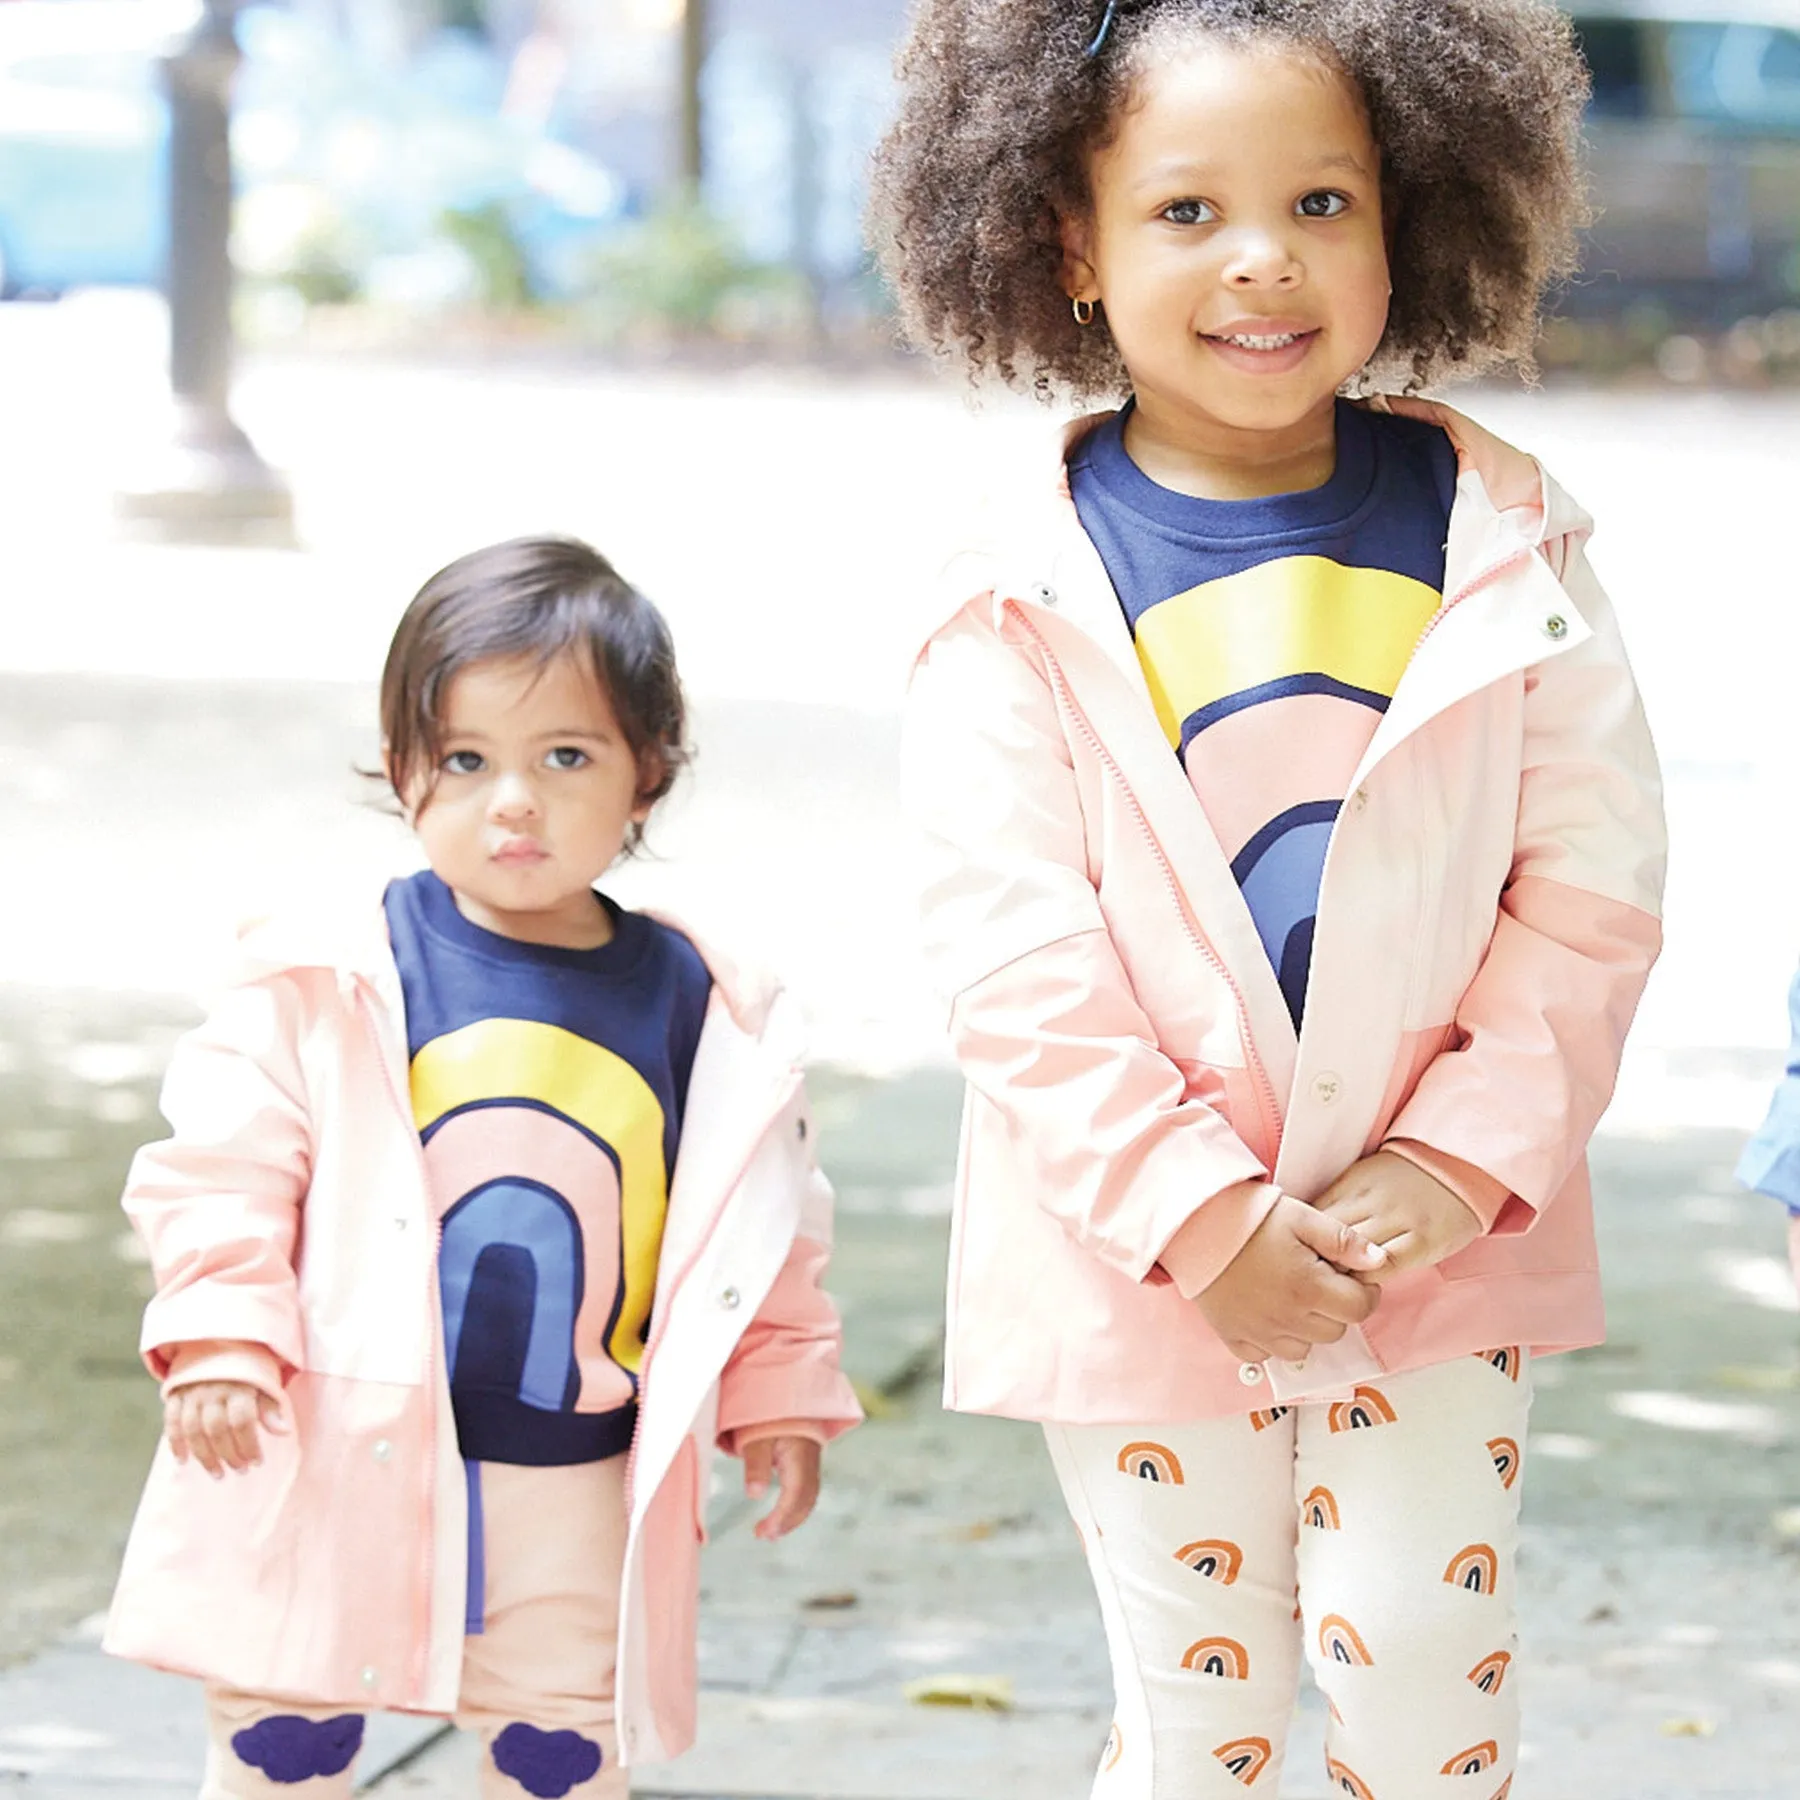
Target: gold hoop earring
1083,311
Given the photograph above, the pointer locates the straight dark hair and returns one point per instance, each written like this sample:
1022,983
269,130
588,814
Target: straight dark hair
534,599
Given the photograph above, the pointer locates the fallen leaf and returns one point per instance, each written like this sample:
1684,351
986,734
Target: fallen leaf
1762,1378
1696,1728
981,1693
838,1602
1603,1614
875,1404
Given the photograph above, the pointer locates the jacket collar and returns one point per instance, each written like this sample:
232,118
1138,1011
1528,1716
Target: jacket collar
347,935
1030,539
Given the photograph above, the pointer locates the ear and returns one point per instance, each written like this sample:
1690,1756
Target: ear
651,773
1080,281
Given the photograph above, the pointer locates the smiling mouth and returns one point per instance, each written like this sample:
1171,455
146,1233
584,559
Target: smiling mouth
1243,340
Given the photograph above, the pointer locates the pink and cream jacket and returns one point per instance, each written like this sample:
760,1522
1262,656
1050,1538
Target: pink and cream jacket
290,1211
1487,918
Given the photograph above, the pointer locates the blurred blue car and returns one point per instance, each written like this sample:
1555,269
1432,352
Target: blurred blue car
332,156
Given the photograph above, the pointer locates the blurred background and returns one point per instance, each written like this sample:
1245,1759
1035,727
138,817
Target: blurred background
302,300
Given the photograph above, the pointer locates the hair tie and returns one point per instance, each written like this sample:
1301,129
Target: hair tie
1105,31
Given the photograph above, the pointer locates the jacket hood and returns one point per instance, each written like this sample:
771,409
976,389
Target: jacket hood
1004,546
349,937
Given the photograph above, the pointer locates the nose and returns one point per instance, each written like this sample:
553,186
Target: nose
512,797
1262,258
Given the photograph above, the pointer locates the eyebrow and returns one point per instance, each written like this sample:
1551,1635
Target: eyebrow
1173,171
558,732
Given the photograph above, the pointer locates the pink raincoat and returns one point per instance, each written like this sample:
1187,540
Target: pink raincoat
290,1210
1488,915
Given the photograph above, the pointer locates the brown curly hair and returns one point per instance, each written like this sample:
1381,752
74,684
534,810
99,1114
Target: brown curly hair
1476,106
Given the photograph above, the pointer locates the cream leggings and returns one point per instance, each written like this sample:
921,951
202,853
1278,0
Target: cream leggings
1392,1514
537,1680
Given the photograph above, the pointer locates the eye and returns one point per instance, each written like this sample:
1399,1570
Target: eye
566,756
1189,212
464,762
1324,203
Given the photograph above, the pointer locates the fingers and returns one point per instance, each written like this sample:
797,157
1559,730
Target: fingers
215,1424
175,1427
759,1464
1337,1241
797,1465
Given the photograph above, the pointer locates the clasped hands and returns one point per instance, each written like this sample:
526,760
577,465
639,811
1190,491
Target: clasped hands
1310,1272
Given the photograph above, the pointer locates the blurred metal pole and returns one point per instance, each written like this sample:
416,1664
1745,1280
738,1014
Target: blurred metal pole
206,477
691,147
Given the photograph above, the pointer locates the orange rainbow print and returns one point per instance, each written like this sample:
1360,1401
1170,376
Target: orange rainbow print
1151,1462
1340,1642
1344,1779
1115,1748
1474,1567
1506,1460
1272,1415
1490,1673
1224,1657
1507,1359
1246,1758
1214,1558
1474,1761
1320,1510
1365,1408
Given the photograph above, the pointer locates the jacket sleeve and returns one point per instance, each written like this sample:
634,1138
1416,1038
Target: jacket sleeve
1541,1028
1771,1160
217,1204
1043,1018
785,1371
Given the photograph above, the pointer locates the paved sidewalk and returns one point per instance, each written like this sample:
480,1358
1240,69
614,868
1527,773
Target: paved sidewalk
1662,1581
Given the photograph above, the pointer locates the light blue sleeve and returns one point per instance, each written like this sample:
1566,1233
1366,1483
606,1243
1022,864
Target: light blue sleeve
1771,1160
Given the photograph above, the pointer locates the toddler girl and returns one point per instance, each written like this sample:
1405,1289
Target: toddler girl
490,1209
1294,835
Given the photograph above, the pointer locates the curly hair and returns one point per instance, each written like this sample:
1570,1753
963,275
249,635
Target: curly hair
1475,104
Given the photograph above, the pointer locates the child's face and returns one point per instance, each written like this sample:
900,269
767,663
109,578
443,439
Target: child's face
533,799
1236,238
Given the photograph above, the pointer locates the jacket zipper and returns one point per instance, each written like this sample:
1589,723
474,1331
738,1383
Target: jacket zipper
418,1675
1473,585
1265,1088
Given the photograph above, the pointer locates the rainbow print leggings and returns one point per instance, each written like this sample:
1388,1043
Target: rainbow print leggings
1391,1512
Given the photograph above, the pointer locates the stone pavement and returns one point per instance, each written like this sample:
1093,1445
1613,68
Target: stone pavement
1661,1562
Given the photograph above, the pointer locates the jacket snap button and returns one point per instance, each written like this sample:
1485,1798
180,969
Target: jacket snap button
1043,593
368,1678
1326,1089
383,1450
1250,1374
1556,628
730,1299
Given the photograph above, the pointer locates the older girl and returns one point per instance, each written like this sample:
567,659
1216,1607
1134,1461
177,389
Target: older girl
1295,844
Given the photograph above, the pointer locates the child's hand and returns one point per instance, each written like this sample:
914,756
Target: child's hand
794,1463
215,1422
1411,1215
1293,1285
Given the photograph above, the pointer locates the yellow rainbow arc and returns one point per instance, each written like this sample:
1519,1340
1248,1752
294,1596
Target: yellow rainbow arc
496,1061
